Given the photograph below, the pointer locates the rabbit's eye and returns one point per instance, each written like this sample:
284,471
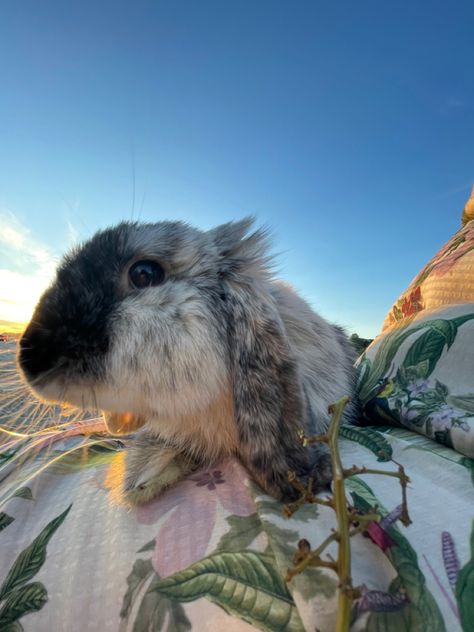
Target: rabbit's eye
146,274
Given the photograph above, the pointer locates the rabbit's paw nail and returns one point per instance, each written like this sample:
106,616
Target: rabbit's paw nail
150,483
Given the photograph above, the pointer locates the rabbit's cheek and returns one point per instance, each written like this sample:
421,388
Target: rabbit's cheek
169,361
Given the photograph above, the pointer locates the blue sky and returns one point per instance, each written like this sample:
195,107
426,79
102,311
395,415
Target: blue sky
347,127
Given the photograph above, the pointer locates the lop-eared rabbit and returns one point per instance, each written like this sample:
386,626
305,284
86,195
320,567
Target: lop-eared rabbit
185,334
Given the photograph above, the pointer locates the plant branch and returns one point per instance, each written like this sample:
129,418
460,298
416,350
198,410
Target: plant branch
350,522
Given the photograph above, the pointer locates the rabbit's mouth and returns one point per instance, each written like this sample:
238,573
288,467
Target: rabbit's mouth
122,423
87,394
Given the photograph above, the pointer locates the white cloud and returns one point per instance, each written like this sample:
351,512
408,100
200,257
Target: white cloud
27,269
19,294
71,216
72,234
22,248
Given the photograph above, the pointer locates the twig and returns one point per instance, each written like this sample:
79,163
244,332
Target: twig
350,522
344,553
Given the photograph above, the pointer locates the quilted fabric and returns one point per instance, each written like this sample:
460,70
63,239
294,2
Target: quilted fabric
421,376
419,372
212,553
447,279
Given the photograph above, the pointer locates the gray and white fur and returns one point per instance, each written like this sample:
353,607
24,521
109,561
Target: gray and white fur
214,358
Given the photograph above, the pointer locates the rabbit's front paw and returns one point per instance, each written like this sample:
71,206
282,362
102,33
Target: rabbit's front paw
141,487
150,468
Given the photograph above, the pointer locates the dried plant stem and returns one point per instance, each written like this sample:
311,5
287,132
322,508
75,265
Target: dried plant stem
314,559
354,470
320,438
350,522
340,505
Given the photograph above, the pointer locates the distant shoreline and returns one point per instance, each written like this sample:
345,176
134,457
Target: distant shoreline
11,329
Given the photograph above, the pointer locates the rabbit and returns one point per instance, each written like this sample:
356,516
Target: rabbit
184,336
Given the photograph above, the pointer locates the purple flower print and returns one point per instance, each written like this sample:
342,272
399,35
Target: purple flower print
409,414
459,423
210,479
391,517
443,417
188,513
380,601
418,386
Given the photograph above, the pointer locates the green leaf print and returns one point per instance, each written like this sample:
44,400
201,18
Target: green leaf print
22,600
23,492
31,559
153,609
416,441
382,361
267,505
469,464
407,374
246,584
142,570
460,320
13,627
6,456
243,531
149,546
282,544
86,455
5,520
464,402
363,369
465,590
422,612
428,347
369,438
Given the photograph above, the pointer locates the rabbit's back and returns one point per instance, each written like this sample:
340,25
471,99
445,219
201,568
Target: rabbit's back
323,353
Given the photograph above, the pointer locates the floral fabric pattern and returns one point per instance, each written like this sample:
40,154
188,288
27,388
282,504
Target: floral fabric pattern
421,377
197,500
212,552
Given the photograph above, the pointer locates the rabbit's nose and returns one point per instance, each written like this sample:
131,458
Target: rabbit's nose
37,353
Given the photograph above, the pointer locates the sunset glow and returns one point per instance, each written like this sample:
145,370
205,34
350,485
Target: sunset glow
348,132
25,272
19,295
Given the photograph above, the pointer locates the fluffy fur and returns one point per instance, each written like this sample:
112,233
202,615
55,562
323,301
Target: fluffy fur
218,359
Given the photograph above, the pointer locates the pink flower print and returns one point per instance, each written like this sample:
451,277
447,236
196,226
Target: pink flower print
454,251
379,536
190,512
418,386
412,303
447,256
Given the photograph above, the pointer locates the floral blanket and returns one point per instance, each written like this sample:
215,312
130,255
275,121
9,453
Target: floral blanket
212,553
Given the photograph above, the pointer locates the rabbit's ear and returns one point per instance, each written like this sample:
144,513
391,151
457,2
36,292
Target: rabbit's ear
269,405
241,253
228,237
